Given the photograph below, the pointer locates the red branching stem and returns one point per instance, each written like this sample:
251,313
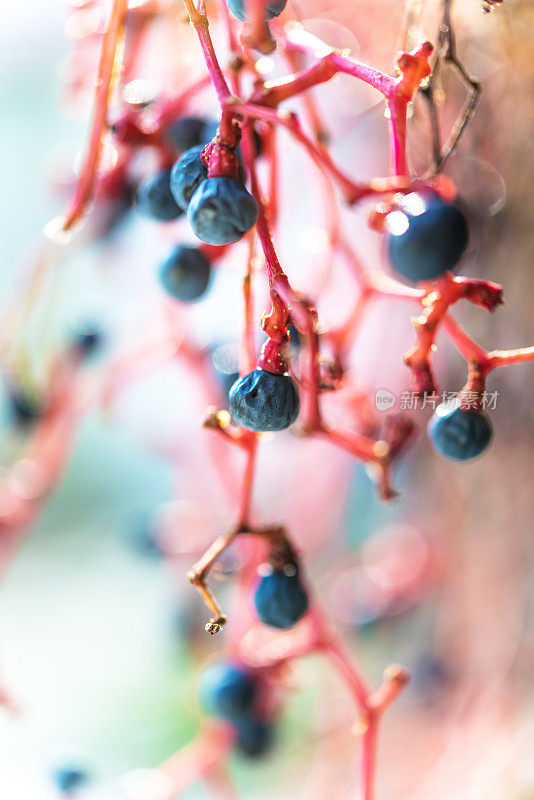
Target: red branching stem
504,358
436,302
245,491
277,92
135,38
398,106
248,348
272,150
256,29
355,682
362,447
170,108
201,25
470,350
352,190
385,286
308,102
395,679
223,13
368,768
107,70
274,269
371,704
304,316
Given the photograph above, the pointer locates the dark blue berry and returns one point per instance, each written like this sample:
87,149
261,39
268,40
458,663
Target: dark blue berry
221,211
154,198
273,9
229,691
458,434
431,676
115,212
280,599
254,738
88,339
427,236
69,777
185,274
262,401
186,175
24,407
188,132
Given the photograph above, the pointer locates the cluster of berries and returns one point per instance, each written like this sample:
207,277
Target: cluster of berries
427,237
220,210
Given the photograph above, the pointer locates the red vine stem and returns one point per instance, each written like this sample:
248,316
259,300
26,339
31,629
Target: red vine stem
107,70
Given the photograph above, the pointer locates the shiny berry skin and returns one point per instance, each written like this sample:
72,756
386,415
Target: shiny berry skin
254,738
263,401
280,599
273,8
69,778
185,274
221,211
427,236
186,175
154,198
228,690
458,434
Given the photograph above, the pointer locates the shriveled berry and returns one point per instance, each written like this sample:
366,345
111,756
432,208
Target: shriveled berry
154,197
272,9
427,236
221,211
459,434
186,176
69,777
228,690
279,598
185,274
254,738
263,401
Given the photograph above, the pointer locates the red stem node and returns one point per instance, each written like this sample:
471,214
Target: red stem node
219,155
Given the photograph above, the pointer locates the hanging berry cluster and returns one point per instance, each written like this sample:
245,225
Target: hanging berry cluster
208,171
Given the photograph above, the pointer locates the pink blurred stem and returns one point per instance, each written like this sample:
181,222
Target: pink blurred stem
103,88
197,759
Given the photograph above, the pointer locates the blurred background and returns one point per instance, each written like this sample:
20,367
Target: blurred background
101,637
